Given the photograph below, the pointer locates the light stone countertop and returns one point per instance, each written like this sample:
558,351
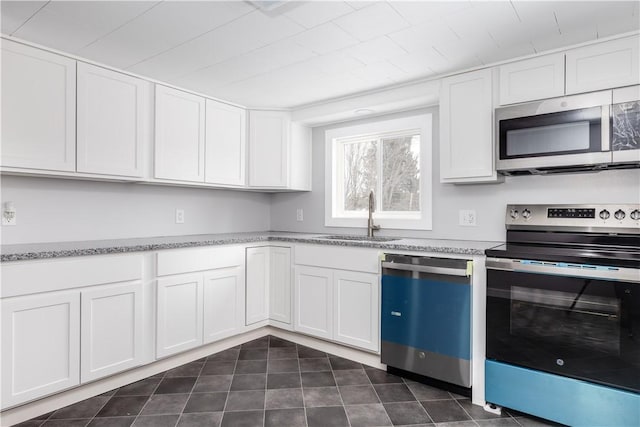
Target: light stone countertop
33,251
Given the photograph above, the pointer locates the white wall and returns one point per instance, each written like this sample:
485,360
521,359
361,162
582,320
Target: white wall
489,200
67,210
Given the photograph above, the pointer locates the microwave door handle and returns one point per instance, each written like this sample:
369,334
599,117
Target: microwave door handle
605,135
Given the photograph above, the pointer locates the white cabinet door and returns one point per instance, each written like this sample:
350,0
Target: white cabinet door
531,79
111,329
179,314
268,148
38,109
280,285
313,305
223,303
604,65
300,159
466,128
40,345
113,122
356,309
257,293
179,147
225,144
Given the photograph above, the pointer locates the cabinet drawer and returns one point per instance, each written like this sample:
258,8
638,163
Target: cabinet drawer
338,257
198,259
30,277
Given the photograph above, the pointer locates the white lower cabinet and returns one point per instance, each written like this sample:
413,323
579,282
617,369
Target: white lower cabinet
257,284
280,284
111,329
40,345
355,306
223,303
179,316
314,301
268,284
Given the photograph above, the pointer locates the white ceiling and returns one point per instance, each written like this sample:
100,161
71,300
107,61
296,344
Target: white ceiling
308,51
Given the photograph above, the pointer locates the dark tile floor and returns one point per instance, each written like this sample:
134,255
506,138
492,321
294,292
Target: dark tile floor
272,382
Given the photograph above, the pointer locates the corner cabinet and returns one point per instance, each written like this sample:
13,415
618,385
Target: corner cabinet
279,152
179,141
268,291
114,119
466,128
38,109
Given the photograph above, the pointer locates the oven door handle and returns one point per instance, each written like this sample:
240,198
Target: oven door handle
587,271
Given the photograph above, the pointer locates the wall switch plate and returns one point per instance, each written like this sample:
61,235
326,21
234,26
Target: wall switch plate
299,214
467,217
179,216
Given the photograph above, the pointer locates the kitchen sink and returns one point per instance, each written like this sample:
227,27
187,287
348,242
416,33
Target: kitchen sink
360,238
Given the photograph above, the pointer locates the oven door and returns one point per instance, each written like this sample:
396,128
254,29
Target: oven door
578,321
568,131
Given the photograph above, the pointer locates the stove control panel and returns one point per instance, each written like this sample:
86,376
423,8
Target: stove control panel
611,218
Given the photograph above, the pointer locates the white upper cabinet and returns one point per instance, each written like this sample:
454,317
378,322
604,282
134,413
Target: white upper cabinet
225,144
300,159
466,128
38,109
531,79
268,148
604,65
113,122
179,139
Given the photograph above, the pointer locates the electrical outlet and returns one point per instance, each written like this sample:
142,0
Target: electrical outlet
467,217
179,216
9,216
299,214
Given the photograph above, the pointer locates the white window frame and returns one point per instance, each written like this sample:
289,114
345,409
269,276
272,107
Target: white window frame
421,220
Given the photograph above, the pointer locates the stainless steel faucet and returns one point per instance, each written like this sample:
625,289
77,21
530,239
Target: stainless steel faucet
371,227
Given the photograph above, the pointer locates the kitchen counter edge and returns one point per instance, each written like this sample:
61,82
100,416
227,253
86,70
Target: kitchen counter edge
35,251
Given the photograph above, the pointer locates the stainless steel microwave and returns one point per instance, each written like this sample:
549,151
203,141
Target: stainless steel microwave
596,130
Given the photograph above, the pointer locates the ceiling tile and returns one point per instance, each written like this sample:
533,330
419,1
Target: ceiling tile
481,16
467,52
162,28
422,37
624,24
568,37
15,13
375,50
575,14
71,25
372,21
512,51
421,64
417,12
325,38
254,63
524,32
221,44
360,4
313,13
382,73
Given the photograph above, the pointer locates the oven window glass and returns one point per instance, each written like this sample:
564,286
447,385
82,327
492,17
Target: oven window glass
581,328
566,132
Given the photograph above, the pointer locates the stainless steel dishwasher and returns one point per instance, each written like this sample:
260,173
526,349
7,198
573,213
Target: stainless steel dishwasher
426,317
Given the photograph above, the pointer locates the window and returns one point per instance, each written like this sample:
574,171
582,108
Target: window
392,158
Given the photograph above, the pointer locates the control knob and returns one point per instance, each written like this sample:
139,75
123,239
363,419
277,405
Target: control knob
513,213
604,214
526,214
619,215
635,214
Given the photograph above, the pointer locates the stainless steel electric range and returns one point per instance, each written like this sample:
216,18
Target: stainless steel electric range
563,314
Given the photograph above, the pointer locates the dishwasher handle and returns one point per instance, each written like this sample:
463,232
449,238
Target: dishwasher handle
426,269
